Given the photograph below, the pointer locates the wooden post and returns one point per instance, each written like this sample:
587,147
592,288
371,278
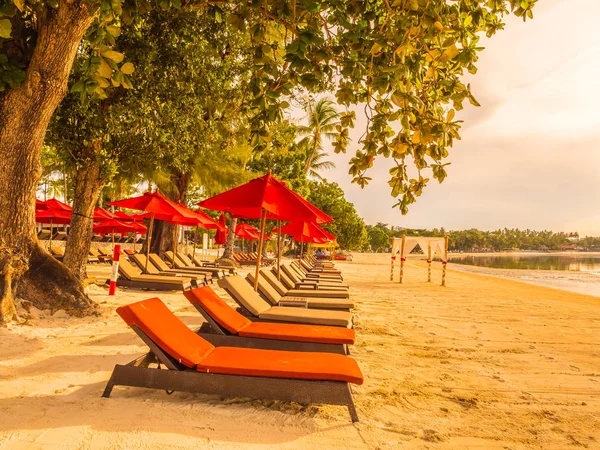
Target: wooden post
113,239
51,233
278,250
429,263
444,261
263,218
402,259
194,249
393,259
148,241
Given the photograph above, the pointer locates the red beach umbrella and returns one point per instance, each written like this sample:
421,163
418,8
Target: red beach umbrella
306,230
157,205
247,231
101,214
40,205
53,203
221,236
113,226
53,217
264,197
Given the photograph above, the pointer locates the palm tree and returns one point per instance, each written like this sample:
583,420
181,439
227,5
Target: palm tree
322,121
320,163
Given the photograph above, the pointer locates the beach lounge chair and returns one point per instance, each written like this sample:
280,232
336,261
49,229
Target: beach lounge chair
229,327
270,294
133,278
316,275
304,292
102,258
57,252
296,274
182,262
140,261
59,236
163,267
242,260
289,274
250,301
200,263
313,269
44,235
195,365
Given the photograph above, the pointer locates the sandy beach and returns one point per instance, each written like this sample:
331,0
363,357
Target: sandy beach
482,363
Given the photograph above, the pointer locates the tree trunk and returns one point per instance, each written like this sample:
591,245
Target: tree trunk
163,233
25,267
88,185
228,249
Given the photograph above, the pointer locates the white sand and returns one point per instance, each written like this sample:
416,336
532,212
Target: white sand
483,363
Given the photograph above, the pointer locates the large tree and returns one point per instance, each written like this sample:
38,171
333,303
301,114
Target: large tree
403,59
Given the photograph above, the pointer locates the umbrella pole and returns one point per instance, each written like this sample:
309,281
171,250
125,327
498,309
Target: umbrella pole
175,245
113,240
263,218
278,250
51,233
148,241
194,250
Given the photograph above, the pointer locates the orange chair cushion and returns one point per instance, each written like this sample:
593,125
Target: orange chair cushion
220,311
166,330
279,364
301,333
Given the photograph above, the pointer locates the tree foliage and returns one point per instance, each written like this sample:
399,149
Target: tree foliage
477,240
402,60
348,227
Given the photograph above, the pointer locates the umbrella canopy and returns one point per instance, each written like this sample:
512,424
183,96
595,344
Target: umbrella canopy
264,193
40,205
246,231
310,240
321,217
221,236
116,226
152,202
197,218
57,205
102,214
124,217
306,230
53,216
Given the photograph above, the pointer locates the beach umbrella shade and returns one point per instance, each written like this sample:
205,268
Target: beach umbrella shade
113,226
247,231
264,197
159,207
101,214
53,217
40,205
55,204
308,230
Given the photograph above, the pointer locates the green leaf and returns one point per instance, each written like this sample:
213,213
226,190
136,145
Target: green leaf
128,68
113,30
20,4
5,28
78,87
113,55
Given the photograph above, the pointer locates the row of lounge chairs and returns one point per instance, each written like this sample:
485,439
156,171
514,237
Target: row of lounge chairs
291,354
154,274
249,259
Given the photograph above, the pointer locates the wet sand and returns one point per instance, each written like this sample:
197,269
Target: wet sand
483,363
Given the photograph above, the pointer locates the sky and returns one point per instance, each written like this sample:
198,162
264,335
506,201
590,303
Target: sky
530,155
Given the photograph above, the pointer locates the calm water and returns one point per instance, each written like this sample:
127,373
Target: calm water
575,262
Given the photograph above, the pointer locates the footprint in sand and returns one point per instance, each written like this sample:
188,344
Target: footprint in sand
575,368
